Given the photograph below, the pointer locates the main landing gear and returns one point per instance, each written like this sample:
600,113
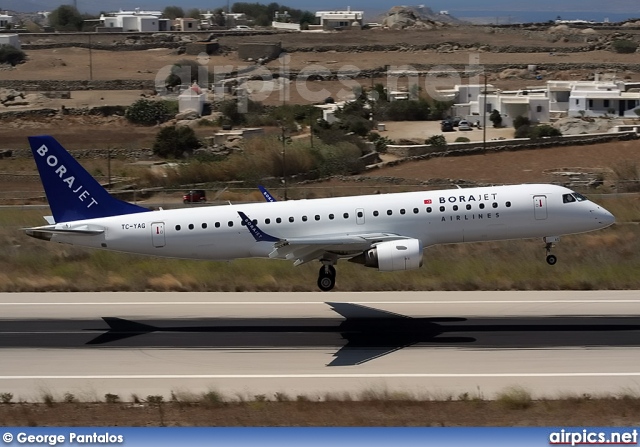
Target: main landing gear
327,277
549,241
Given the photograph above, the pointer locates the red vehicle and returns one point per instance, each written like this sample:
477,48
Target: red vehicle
195,196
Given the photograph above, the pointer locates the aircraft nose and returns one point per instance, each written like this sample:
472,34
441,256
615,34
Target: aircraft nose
604,217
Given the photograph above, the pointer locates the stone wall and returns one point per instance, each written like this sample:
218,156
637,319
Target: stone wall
48,85
257,50
423,151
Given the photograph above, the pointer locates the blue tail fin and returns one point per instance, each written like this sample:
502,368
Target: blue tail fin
71,191
267,195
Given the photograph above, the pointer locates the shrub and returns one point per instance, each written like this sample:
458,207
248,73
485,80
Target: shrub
6,398
147,112
515,398
111,398
11,55
436,141
173,142
624,46
184,71
155,400
523,131
233,114
418,110
69,398
496,118
462,140
544,130
341,158
520,121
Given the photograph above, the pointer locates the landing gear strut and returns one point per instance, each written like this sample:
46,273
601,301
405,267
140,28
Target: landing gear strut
327,277
551,259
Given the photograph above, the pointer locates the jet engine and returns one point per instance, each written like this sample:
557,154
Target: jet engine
404,254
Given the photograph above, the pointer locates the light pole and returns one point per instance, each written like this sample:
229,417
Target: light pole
284,160
484,117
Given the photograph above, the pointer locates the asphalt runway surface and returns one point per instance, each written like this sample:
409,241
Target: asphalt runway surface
428,344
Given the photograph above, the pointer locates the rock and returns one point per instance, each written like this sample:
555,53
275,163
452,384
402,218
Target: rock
188,115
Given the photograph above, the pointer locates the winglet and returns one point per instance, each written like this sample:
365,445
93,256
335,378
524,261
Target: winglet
72,192
257,233
267,195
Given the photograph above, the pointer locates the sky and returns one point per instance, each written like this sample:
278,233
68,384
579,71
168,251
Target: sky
456,8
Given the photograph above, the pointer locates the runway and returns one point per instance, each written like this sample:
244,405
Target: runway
429,344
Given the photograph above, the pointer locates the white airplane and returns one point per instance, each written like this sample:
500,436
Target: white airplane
388,232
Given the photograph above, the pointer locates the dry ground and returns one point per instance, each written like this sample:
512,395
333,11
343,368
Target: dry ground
580,411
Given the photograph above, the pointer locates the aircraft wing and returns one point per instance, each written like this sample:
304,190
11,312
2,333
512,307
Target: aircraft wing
309,248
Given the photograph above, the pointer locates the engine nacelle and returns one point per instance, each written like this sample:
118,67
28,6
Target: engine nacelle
404,254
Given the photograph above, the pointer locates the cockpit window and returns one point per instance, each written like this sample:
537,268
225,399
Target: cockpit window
573,197
580,197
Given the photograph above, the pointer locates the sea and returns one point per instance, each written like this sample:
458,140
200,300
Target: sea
508,17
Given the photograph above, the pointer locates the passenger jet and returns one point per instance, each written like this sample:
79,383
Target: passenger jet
388,232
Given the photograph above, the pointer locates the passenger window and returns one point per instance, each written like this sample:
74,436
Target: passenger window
304,218
178,227
468,207
402,211
317,217
345,215
360,214
389,212
267,221
495,205
217,225
481,206
416,211
429,209
230,223
455,207
291,219
331,216
255,221
191,226
442,209
375,214
278,220
508,204
204,226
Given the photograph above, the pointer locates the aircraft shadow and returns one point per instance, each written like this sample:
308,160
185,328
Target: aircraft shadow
362,334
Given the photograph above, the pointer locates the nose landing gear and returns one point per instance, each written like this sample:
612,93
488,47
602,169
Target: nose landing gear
549,241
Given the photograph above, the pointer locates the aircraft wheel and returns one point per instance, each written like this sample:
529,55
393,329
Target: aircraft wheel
326,282
551,259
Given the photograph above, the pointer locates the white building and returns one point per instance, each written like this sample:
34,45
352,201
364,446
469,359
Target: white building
330,20
539,104
133,21
192,98
10,39
593,98
6,21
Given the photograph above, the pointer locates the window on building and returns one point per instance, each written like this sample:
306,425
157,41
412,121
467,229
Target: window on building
606,103
591,103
